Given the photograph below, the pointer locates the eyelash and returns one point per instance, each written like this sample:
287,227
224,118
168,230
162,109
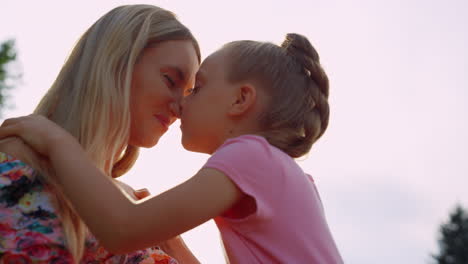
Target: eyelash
193,90
169,80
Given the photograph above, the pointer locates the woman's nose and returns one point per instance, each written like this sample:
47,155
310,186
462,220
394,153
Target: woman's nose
175,105
175,108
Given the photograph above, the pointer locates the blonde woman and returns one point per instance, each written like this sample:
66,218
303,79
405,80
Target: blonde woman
119,89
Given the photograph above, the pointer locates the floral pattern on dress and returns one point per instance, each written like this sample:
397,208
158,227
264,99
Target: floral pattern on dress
31,231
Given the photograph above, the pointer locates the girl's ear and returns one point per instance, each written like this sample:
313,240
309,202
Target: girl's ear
245,98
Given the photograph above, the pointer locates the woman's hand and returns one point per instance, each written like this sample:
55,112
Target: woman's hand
134,194
141,193
176,248
38,132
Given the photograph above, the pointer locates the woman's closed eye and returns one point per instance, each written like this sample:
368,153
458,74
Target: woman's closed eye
169,80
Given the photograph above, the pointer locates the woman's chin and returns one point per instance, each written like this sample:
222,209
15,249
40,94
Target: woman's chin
145,143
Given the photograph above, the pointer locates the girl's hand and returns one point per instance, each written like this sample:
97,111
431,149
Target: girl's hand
38,132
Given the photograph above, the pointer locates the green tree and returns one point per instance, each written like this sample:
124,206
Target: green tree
7,55
453,239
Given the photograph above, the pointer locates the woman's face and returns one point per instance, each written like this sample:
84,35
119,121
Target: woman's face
160,76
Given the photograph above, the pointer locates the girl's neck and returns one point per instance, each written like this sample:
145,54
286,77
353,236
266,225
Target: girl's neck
236,130
244,128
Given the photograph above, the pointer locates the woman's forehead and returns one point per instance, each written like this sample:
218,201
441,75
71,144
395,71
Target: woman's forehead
179,55
181,51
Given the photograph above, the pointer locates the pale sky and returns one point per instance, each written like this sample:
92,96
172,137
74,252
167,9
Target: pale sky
392,163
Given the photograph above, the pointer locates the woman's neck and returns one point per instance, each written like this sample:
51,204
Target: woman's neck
109,164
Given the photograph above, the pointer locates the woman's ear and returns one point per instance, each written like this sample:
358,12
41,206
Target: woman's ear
245,98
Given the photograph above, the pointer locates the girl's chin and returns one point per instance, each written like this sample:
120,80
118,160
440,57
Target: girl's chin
193,147
187,144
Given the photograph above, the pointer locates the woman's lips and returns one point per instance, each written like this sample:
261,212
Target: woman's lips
163,120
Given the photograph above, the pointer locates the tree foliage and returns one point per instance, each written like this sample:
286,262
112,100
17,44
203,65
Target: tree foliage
453,240
7,55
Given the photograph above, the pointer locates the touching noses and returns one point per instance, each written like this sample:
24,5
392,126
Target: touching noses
175,108
176,105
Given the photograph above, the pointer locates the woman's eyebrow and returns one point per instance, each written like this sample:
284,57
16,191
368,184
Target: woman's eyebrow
180,73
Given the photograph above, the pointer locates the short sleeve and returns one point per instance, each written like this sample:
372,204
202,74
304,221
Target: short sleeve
249,162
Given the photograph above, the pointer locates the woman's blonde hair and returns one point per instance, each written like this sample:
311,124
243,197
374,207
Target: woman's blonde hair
297,112
91,96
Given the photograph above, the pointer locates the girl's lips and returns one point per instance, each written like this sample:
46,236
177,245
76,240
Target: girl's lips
163,120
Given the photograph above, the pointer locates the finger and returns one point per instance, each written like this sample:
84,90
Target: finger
12,121
142,193
8,131
10,139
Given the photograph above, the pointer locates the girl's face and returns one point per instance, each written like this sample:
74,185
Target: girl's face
160,76
203,118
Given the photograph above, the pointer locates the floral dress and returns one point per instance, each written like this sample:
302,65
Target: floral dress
31,232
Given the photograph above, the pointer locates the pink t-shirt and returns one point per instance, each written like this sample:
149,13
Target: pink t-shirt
288,225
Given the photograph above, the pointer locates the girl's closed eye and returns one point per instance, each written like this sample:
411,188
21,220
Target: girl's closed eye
193,90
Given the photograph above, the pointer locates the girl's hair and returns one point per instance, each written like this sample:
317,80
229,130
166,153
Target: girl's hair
91,96
296,84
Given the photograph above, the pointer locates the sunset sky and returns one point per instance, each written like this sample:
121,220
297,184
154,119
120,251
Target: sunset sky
393,161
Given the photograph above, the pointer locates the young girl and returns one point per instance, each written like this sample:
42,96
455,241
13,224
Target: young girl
255,106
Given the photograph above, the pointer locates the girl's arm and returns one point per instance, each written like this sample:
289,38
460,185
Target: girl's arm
122,225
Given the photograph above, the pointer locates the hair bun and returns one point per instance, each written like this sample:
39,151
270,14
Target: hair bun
299,46
300,49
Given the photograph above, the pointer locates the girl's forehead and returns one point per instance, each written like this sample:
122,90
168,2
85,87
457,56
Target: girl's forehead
215,60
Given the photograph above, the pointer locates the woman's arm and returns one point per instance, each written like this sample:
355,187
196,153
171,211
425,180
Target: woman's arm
120,224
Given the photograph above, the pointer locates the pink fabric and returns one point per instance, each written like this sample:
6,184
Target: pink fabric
289,224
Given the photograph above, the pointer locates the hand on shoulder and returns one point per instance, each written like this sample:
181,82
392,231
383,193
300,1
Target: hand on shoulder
16,148
38,132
